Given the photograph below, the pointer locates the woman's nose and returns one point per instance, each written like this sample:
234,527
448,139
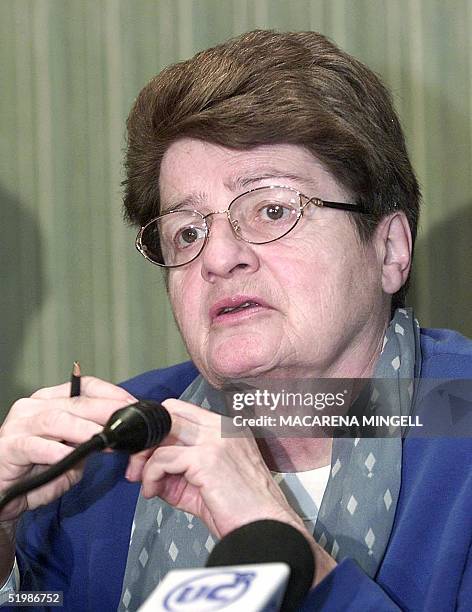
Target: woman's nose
225,254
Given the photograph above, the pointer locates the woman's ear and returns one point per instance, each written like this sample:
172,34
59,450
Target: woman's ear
393,237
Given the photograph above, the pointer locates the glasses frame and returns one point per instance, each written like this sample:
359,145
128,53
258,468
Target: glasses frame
318,202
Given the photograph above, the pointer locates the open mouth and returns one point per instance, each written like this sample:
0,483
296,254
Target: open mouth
238,308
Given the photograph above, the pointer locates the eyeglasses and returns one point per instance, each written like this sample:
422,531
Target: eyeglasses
258,216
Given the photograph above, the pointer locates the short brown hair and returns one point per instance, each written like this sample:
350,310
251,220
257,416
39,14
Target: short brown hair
267,87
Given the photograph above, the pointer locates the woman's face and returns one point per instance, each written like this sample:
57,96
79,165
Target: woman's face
312,301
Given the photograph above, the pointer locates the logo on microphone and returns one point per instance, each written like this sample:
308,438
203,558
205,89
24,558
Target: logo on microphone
209,592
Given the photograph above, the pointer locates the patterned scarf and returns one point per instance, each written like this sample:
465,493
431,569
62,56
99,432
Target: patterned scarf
356,515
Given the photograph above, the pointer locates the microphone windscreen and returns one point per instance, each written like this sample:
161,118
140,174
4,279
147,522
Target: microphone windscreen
269,541
138,426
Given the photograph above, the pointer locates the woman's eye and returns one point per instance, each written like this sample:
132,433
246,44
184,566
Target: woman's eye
275,212
187,236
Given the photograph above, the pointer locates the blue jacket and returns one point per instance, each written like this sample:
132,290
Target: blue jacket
79,543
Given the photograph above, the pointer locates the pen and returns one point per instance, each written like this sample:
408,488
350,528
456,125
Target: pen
75,380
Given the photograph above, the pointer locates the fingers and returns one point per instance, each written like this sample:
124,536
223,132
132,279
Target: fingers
136,465
89,387
96,387
182,434
55,488
59,425
25,451
71,419
165,461
191,413
192,426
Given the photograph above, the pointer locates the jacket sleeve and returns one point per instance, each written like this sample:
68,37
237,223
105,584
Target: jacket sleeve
348,589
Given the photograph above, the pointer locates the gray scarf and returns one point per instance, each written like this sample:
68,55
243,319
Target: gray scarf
356,515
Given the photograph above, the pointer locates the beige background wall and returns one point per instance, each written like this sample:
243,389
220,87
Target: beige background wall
72,285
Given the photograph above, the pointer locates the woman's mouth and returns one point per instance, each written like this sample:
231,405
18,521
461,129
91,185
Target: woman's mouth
236,308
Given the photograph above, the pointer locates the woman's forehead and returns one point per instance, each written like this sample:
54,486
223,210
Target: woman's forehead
191,165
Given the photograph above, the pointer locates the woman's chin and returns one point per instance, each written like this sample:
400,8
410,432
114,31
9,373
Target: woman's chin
242,359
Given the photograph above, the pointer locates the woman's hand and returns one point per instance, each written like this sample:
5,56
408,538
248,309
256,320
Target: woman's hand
222,480
42,429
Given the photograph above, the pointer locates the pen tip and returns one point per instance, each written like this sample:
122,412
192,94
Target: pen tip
76,369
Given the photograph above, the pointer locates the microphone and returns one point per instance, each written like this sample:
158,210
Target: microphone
131,429
136,427
263,566
269,541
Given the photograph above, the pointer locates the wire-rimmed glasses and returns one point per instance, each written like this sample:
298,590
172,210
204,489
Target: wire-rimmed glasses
257,216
